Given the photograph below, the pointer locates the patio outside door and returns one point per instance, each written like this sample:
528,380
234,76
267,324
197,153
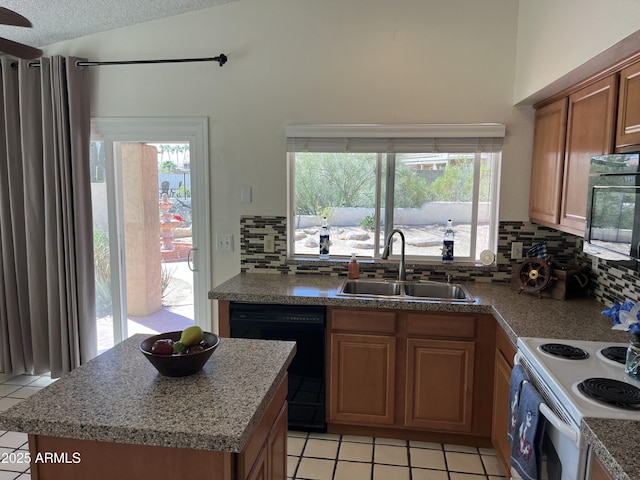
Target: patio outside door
151,226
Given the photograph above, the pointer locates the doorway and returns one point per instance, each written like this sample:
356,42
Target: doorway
151,226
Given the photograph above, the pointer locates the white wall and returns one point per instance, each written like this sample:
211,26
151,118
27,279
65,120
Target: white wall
557,36
310,61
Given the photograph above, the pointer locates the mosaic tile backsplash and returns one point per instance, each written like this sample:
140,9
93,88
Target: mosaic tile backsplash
609,282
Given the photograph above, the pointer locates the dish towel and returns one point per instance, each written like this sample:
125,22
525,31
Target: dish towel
526,450
518,375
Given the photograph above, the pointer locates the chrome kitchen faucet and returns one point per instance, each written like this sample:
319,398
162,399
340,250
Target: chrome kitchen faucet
402,274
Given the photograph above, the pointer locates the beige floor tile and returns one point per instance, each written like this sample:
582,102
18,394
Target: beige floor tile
426,474
315,469
492,465
390,441
24,392
464,462
321,448
352,471
465,476
295,433
13,439
460,448
487,451
493,477
390,455
357,438
426,458
431,445
358,452
295,445
292,463
390,472
325,436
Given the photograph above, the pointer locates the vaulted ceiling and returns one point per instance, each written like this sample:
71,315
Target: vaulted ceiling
58,20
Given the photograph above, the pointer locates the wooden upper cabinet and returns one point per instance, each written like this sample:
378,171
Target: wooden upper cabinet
590,131
547,162
628,126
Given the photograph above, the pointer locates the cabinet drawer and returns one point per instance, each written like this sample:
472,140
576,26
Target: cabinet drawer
366,321
441,325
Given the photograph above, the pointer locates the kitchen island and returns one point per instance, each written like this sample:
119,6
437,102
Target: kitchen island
117,417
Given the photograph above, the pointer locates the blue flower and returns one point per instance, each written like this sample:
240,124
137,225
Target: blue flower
614,312
625,317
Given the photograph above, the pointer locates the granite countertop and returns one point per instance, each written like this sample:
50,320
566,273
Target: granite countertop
520,315
120,397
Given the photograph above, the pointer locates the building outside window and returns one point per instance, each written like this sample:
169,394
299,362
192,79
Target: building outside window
370,179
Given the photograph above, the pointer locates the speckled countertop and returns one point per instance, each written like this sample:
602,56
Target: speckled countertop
520,315
120,397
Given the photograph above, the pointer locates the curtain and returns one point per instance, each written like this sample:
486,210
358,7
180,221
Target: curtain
47,299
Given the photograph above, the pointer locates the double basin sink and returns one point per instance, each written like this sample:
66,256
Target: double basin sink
409,290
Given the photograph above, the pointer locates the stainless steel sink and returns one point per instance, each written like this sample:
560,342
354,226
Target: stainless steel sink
436,290
371,287
407,290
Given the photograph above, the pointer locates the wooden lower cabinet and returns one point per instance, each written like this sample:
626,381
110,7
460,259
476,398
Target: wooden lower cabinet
362,373
504,353
406,374
271,463
599,471
439,393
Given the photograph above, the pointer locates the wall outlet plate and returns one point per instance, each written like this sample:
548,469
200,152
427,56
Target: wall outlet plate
269,243
224,243
516,250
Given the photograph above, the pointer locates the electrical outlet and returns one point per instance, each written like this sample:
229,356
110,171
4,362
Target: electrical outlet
594,264
224,243
269,243
516,250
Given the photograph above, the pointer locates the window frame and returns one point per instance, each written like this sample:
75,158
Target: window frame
424,135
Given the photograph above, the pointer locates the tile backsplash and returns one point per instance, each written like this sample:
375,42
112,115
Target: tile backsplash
610,282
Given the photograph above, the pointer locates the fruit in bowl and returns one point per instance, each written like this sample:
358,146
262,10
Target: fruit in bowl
181,353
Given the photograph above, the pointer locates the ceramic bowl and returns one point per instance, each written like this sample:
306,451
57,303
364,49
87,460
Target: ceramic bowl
179,365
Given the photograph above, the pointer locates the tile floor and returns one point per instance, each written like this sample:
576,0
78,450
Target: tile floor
312,456
343,457
13,445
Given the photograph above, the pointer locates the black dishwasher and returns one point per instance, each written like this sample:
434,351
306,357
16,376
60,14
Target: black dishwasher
306,326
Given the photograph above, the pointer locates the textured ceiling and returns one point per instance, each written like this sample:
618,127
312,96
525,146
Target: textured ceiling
57,20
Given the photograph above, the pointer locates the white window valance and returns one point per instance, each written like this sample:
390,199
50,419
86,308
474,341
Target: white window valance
414,138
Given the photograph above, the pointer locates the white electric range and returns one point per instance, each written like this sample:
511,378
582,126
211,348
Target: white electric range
575,378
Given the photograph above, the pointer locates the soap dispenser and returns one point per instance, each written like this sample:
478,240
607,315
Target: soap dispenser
353,270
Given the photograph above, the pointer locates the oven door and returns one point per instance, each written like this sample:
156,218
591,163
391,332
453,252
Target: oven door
564,455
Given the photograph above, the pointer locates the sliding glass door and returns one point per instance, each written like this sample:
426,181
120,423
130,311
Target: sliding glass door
151,226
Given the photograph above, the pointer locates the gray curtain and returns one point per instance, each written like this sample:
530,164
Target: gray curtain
47,299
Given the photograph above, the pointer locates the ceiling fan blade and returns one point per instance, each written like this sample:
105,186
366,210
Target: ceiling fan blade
9,17
19,50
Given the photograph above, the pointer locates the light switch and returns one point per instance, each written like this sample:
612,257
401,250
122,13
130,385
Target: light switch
224,243
245,194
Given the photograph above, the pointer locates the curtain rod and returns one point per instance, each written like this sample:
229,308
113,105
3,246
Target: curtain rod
221,59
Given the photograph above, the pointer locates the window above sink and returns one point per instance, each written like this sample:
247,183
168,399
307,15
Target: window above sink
370,179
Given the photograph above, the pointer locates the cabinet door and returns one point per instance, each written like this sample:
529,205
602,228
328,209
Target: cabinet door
500,424
277,447
362,379
260,470
439,392
590,128
547,162
628,126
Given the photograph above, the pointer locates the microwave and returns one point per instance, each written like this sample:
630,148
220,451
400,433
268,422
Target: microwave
613,207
